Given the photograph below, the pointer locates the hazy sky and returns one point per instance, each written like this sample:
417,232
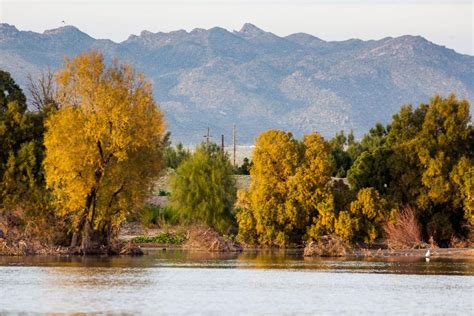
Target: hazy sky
448,23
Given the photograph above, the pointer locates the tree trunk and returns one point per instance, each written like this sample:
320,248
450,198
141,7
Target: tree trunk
77,232
75,237
87,244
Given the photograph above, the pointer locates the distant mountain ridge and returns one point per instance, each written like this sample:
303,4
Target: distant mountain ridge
258,80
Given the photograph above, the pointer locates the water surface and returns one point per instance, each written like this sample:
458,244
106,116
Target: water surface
183,282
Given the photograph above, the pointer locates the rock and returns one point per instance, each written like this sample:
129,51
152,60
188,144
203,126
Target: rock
327,246
131,249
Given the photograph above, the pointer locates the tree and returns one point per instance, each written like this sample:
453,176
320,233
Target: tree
371,170
21,148
175,156
288,188
445,144
203,189
10,92
310,196
275,159
342,158
103,146
424,158
244,169
43,92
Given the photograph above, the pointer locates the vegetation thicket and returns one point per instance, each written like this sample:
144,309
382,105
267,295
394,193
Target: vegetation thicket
425,159
87,158
422,161
24,200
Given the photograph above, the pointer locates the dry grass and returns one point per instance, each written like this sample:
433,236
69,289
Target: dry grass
405,232
327,246
456,242
202,237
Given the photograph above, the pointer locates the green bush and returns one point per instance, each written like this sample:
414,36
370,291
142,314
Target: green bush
155,215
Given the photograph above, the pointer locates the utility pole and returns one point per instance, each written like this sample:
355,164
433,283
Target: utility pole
222,144
207,136
234,143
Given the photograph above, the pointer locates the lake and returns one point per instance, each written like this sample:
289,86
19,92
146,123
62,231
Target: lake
261,282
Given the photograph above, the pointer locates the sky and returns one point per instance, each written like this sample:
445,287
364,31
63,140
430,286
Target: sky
447,23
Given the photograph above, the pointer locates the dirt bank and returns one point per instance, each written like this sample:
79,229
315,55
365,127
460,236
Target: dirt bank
199,237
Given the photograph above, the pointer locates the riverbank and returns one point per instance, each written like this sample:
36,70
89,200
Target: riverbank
204,239
133,237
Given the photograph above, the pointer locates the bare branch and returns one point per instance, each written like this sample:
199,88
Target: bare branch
42,90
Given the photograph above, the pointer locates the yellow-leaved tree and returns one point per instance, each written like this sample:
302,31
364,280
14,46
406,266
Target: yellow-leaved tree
103,147
289,189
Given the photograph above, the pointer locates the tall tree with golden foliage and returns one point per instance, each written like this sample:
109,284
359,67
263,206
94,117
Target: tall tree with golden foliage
288,188
103,146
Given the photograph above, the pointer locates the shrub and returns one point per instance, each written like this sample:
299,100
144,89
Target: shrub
149,216
404,231
155,215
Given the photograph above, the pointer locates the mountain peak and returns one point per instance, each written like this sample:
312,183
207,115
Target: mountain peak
8,29
249,29
67,30
146,33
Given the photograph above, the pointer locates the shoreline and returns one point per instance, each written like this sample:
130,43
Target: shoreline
361,253
445,253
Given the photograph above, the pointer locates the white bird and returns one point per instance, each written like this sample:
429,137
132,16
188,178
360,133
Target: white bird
427,254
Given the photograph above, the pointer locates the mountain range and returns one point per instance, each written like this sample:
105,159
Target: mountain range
258,80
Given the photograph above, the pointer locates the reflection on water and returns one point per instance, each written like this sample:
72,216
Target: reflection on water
268,282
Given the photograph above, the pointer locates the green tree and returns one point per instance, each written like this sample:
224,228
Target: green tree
244,169
371,169
174,156
342,158
21,149
203,189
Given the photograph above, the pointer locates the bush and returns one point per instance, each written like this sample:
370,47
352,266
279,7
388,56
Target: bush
155,215
404,231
